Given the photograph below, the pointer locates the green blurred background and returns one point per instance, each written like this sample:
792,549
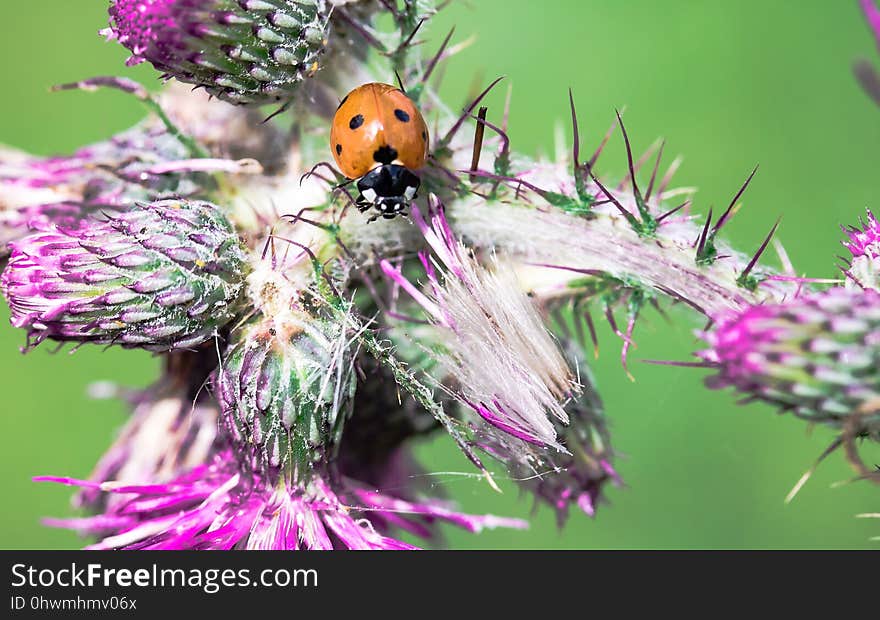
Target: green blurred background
728,84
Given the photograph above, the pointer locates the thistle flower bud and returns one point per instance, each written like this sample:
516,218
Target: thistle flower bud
161,276
285,387
816,355
864,245
241,51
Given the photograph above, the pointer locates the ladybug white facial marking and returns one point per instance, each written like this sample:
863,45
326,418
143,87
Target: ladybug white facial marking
379,137
390,188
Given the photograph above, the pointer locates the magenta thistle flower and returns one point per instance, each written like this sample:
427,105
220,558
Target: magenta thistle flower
248,51
816,355
864,245
161,276
221,505
509,369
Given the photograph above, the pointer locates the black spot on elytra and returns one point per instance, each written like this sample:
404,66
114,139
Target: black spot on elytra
385,154
401,115
339,149
356,121
344,99
424,136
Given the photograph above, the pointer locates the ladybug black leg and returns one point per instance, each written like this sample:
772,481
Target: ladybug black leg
338,178
362,204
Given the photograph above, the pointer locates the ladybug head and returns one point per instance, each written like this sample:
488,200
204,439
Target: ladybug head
390,188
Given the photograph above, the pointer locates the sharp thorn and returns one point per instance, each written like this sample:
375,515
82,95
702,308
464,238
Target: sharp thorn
654,172
673,211
433,64
451,133
760,251
632,219
704,235
629,155
723,219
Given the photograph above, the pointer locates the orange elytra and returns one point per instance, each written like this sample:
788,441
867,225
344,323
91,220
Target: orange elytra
379,137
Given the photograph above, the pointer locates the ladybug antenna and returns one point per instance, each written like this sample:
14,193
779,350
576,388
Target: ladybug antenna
322,164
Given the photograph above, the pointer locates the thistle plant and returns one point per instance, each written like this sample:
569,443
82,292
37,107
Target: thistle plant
306,349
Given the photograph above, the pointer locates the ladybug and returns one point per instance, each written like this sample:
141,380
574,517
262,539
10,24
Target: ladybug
379,137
